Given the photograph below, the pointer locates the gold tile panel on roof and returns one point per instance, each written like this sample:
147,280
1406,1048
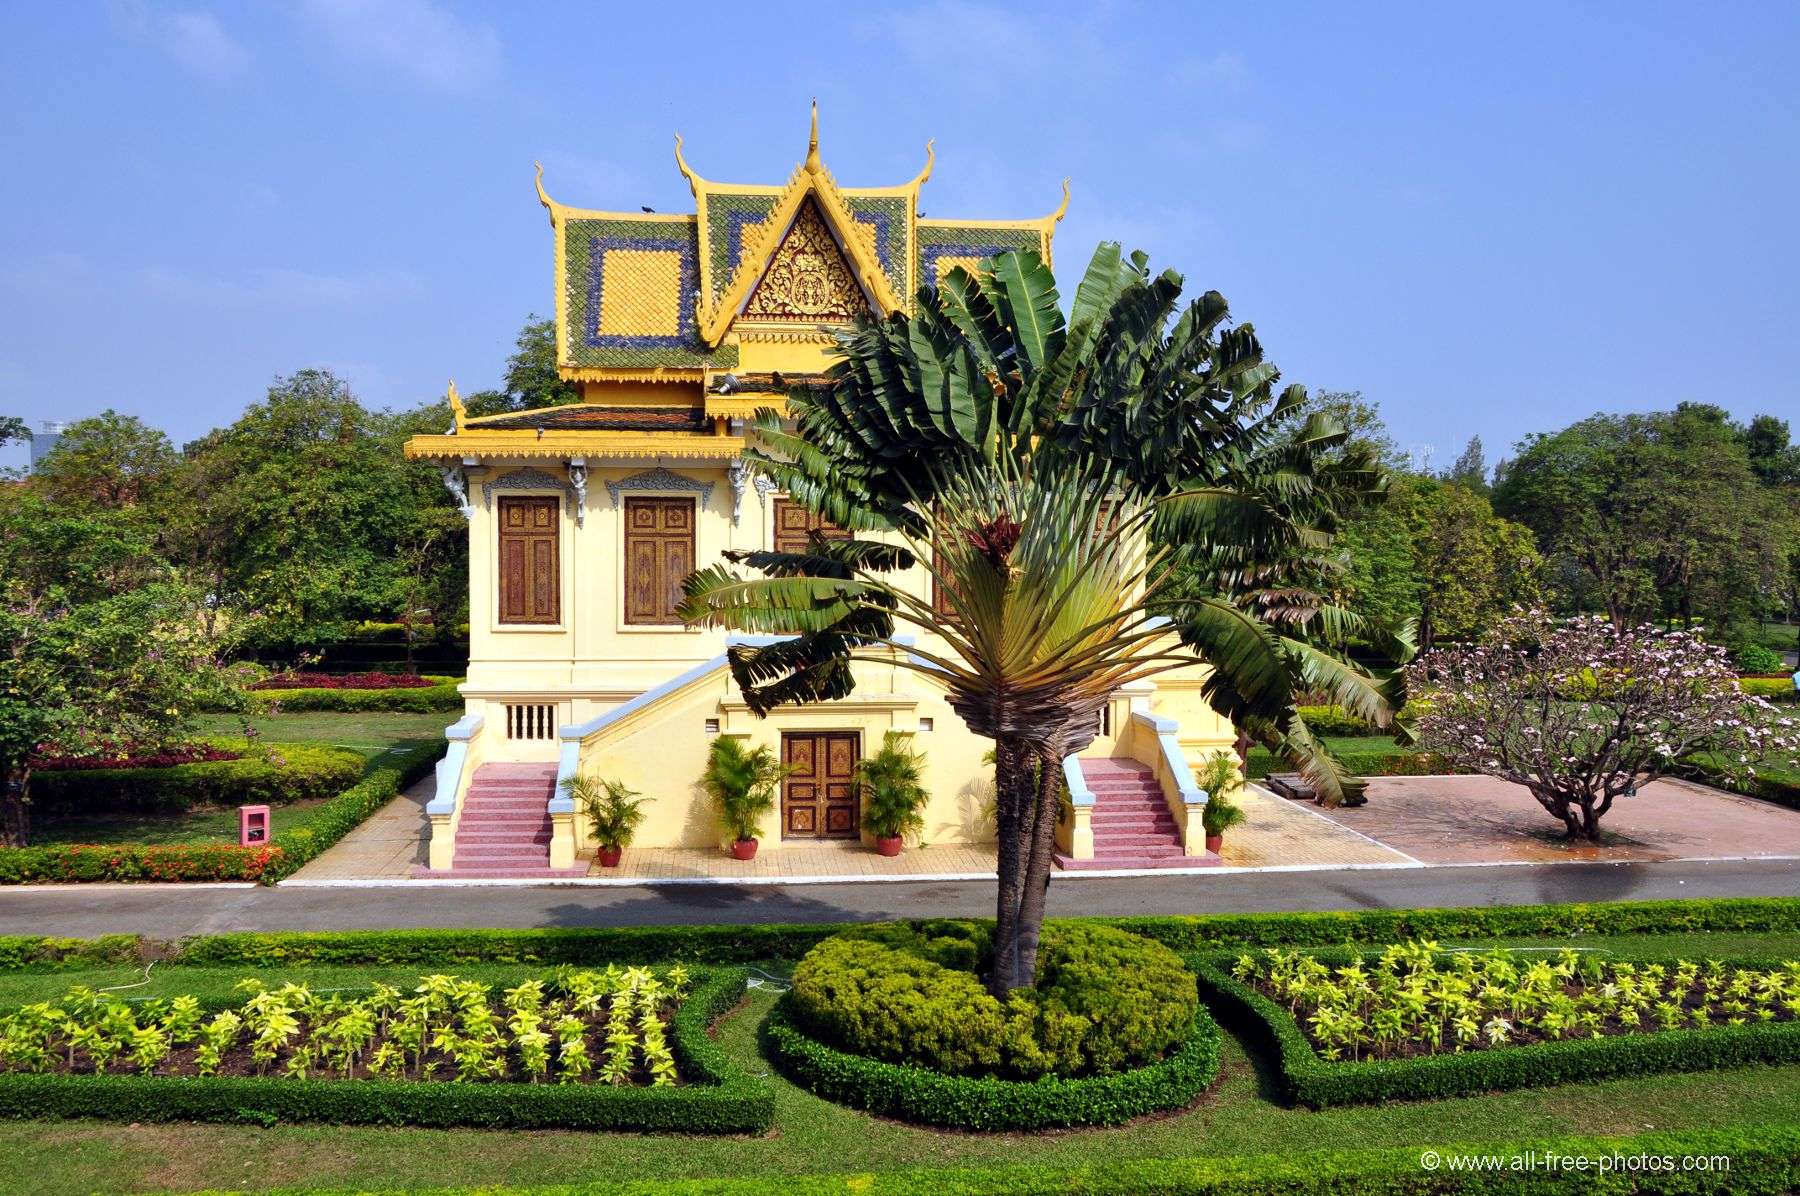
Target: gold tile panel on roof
640,293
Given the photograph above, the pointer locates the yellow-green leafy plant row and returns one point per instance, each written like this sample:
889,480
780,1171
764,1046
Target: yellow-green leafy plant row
570,1026
1414,999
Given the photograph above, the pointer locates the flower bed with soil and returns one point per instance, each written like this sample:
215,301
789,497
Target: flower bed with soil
1413,1021
346,681
615,1048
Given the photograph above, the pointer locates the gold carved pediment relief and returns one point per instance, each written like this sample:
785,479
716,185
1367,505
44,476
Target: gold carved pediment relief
808,280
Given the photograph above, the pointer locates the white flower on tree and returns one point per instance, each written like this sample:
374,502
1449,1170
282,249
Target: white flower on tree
1581,713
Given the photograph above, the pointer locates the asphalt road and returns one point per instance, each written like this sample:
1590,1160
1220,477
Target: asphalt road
172,912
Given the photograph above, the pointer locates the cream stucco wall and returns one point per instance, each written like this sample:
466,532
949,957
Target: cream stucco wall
592,662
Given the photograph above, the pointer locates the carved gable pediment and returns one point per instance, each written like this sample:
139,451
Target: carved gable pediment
808,280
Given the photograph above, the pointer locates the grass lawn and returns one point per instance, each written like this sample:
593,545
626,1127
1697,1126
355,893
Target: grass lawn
1263,762
372,734
1237,1117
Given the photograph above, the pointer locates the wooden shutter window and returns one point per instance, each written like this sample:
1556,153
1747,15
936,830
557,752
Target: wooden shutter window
794,522
659,554
530,566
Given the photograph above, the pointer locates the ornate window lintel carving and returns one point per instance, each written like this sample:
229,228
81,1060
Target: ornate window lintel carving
660,479
536,479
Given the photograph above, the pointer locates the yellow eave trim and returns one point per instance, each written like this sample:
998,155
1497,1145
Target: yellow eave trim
743,406
597,444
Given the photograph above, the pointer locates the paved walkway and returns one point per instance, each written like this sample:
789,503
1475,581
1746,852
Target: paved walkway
384,847
1276,833
172,911
1466,820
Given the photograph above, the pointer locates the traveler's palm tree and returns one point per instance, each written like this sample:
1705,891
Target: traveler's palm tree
1065,482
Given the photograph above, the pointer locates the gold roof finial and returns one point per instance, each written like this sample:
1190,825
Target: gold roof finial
1062,209
543,198
687,172
930,160
457,411
812,144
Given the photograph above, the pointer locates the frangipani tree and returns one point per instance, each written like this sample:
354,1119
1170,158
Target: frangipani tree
1063,481
1582,713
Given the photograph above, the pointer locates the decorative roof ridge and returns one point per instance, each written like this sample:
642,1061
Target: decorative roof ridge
1042,223
561,212
809,178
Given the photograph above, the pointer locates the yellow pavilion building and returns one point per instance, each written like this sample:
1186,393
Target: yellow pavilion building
584,519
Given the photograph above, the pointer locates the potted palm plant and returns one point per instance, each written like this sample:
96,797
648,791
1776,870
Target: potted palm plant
742,783
892,794
614,812
1219,777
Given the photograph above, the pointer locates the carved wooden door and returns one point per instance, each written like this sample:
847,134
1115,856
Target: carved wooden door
530,577
819,799
794,523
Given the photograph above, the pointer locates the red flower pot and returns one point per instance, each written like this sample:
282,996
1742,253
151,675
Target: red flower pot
609,856
1214,842
887,846
743,849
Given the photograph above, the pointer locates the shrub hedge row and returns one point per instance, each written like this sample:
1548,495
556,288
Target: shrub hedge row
38,953
1185,933
267,774
440,697
1763,1161
1775,689
226,861
87,863
1306,1079
918,1094
722,1100
1366,764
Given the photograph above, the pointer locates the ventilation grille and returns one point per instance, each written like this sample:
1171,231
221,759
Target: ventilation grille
531,721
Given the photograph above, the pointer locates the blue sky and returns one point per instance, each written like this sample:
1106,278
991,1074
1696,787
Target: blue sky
1489,220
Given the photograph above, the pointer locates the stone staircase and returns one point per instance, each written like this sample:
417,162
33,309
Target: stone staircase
504,832
1133,827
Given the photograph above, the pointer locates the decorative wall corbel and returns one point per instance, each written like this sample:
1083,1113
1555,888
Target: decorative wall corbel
456,481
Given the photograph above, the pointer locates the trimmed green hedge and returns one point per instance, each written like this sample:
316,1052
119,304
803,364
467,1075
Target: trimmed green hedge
386,779
1306,1079
1366,764
268,774
226,861
441,697
1782,788
721,1100
933,1098
1764,1161
1775,689
1185,933
35,953
87,863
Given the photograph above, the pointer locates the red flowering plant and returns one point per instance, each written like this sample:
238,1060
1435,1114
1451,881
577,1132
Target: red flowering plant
1582,713
49,759
297,680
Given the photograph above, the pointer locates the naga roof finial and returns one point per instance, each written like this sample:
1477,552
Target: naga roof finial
543,198
457,411
687,172
812,144
930,161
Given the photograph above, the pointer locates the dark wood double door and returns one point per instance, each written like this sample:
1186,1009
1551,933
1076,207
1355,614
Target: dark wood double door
819,798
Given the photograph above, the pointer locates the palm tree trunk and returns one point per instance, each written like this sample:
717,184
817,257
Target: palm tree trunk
1014,803
15,809
1037,867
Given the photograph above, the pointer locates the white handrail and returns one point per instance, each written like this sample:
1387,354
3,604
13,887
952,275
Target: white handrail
1169,748
450,769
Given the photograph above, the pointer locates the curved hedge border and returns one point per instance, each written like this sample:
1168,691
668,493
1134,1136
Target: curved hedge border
721,1100
1185,933
1765,1161
302,772
441,697
933,1098
225,861
1306,1079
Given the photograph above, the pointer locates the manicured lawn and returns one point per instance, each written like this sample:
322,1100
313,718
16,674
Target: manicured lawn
371,734
1262,762
813,1135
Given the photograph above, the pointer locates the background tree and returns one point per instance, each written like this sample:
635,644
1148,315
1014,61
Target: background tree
1581,712
101,649
1470,469
531,379
110,461
13,428
1055,477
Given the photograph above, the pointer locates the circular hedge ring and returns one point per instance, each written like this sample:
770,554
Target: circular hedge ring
894,1018
963,1102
